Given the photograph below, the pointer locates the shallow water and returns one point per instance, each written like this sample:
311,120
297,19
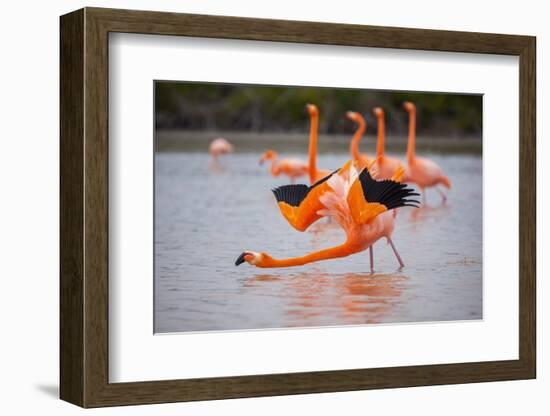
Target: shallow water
207,214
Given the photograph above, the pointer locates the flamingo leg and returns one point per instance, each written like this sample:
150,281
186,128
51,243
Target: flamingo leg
443,196
424,200
401,264
371,256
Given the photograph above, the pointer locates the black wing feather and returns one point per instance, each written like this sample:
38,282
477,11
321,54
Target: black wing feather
390,193
293,195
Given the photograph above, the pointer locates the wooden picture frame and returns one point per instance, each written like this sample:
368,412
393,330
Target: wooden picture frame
84,207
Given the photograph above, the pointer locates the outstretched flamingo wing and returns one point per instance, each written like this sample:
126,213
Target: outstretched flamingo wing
367,197
300,204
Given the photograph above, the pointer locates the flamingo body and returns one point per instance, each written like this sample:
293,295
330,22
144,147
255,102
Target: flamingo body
426,173
422,171
365,235
291,167
386,166
220,146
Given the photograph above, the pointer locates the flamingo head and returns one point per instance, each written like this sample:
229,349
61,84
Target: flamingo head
378,112
353,116
357,118
312,109
268,155
251,257
409,106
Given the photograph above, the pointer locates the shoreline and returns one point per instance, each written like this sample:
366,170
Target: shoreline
246,142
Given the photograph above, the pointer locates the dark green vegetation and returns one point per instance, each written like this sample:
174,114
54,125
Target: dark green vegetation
234,107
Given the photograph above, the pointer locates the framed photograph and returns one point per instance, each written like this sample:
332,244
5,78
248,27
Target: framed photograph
255,207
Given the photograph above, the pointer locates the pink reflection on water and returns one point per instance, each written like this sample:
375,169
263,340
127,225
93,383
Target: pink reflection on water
426,212
353,298
216,167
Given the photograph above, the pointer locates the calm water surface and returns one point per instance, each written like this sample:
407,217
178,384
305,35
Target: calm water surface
206,215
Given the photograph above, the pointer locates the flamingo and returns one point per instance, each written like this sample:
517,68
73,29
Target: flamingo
220,146
386,166
424,172
293,168
314,173
362,159
360,204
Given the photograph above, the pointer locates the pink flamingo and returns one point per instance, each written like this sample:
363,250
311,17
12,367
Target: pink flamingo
293,168
386,166
362,159
357,202
220,146
424,172
314,173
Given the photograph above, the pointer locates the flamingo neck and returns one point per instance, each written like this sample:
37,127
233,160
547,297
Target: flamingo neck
381,136
325,254
274,169
313,130
354,145
412,136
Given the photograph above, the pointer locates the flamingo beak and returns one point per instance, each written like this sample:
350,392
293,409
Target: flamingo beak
240,259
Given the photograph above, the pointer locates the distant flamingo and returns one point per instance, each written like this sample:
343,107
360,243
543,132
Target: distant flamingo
357,202
293,168
424,172
385,166
362,159
220,146
314,173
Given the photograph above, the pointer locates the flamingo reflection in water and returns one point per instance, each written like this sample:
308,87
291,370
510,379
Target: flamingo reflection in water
429,213
352,298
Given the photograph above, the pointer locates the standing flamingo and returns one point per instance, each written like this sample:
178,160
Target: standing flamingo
357,202
386,166
424,172
293,168
314,173
220,146
361,158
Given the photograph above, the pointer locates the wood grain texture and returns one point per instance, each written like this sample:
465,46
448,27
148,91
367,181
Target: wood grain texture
96,208
71,185
84,207
527,207
226,27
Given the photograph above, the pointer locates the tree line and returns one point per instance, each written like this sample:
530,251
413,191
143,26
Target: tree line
263,109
